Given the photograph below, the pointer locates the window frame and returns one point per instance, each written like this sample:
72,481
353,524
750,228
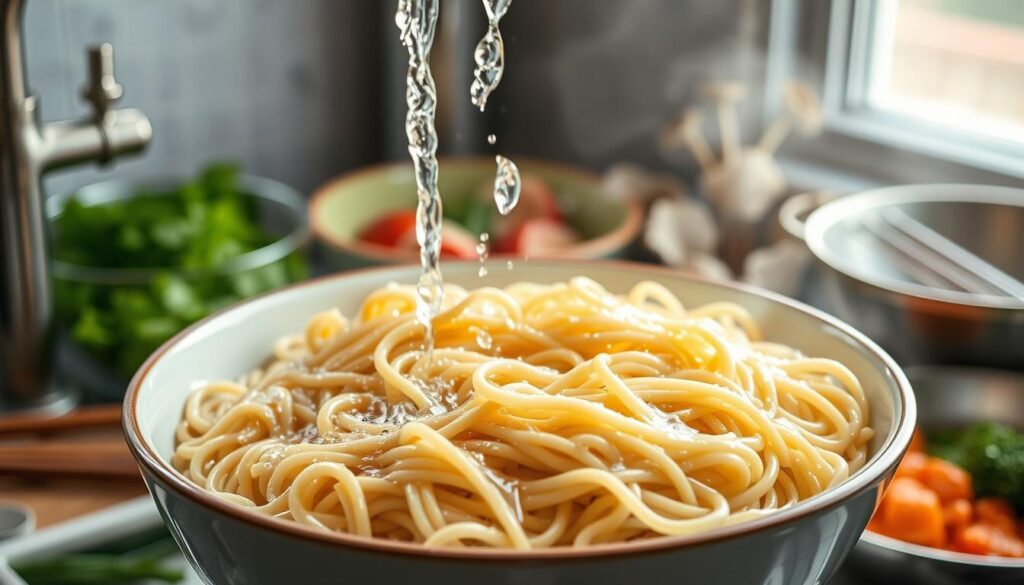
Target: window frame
829,44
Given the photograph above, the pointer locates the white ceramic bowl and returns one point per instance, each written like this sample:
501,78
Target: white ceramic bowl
227,544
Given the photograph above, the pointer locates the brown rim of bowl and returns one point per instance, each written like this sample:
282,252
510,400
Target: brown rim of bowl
619,237
877,469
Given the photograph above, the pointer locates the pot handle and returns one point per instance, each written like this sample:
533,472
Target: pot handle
794,211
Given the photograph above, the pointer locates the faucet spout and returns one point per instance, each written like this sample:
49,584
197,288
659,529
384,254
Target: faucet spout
73,142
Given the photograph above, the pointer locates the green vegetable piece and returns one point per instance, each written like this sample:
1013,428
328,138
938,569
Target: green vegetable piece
220,179
199,226
172,233
274,275
992,453
130,237
455,210
298,267
179,298
156,330
246,284
90,331
133,304
135,558
94,569
479,216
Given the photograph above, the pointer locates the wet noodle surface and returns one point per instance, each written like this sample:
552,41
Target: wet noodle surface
548,415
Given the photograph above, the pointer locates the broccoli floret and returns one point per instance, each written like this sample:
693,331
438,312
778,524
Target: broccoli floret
994,456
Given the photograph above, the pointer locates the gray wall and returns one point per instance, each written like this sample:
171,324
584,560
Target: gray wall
597,80
278,85
591,82
301,90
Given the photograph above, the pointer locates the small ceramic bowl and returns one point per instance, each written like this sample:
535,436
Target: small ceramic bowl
950,397
803,544
16,519
346,205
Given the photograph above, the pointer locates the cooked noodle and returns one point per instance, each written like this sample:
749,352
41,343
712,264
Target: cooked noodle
547,415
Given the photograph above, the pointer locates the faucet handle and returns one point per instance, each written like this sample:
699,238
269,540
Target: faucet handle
101,90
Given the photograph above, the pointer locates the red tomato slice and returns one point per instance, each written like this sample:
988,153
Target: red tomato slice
391,229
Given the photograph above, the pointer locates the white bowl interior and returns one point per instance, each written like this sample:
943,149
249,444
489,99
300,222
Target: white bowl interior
235,341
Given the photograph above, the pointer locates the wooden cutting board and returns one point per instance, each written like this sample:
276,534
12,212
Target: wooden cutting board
57,499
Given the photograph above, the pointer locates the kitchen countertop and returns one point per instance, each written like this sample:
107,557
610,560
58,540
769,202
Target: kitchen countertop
56,501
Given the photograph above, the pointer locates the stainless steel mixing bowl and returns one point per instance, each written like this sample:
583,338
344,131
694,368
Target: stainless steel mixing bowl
916,323
947,397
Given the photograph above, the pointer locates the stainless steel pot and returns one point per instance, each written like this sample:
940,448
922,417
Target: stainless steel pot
864,285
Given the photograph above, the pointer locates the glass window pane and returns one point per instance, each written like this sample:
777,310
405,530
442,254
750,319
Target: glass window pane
953,62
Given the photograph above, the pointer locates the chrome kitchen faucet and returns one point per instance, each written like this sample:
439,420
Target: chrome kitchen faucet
27,150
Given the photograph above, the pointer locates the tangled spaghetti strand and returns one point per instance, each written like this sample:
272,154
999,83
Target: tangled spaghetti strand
546,415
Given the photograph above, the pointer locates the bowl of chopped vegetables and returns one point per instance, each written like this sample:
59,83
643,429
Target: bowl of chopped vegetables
134,263
954,511
368,217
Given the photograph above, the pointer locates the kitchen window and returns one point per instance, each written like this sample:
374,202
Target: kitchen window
914,90
955,63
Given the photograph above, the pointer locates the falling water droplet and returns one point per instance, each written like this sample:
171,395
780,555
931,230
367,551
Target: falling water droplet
489,55
507,184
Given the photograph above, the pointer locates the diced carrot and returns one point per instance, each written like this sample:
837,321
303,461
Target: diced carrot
912,465
917,442
912,512
958,515
985,539
995,512
931,502
949,481
993,507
